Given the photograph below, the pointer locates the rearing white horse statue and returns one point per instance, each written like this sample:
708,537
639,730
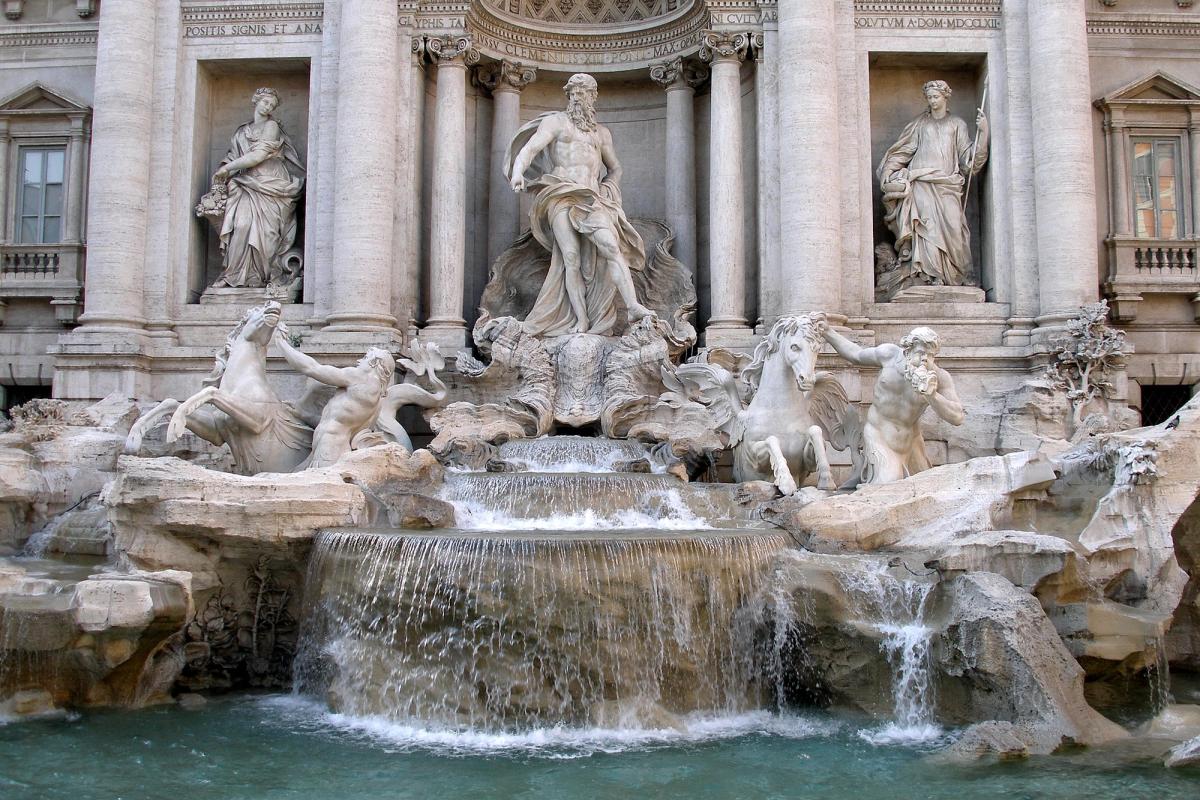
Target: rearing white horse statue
793,411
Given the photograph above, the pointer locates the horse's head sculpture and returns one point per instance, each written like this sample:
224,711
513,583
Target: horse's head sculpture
798,339
257,326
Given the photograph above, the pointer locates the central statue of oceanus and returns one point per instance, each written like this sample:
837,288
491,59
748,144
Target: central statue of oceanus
577,216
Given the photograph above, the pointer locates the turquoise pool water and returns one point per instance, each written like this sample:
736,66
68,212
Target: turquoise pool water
269,747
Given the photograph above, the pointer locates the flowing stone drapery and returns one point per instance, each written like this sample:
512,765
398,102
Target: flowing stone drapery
809,162
725,52
448,225
120,184
505,79
1063,170
365,168
679,78
766,93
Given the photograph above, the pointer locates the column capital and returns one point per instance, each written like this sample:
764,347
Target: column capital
717,46
677,73
758,45
505,76
449,50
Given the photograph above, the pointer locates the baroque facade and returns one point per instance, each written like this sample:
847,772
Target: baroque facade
752,128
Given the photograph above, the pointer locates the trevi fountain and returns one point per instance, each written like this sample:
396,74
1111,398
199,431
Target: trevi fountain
534,530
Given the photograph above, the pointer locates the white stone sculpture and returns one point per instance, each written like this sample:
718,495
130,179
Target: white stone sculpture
237,406
922,177
577,215
363,398
908,382
1085,363
254,194
793,410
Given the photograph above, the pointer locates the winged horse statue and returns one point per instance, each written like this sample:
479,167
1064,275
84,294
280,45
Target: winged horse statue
792,412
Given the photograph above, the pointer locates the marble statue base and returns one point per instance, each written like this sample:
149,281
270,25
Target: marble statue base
245,296
940,294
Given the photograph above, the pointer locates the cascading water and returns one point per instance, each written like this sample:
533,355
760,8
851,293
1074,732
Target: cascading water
510,633
896,607
572,598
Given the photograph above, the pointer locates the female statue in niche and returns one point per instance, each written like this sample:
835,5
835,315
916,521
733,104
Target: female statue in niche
262,177
922,177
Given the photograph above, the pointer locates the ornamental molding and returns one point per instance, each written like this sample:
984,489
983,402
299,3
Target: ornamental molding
978,8
724,45
606,48
248,12
57,35
505,75
1143,25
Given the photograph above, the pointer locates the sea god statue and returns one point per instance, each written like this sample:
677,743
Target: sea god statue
577,216
922,177
256,186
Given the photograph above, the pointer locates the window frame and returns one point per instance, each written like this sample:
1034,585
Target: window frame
20,216
1182,176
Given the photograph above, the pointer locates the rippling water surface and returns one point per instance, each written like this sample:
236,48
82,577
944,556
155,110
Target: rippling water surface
266,747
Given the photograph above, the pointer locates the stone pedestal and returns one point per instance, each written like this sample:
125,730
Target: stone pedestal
939,294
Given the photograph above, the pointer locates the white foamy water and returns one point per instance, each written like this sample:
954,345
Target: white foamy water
672,514
556,742
895,734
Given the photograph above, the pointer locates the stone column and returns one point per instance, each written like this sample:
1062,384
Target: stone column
809,163
121,128
1118,140
1194,145
410,94
1063,177
448,225
505,80
364,168
726,193
770,277
679,78
5,143
76,157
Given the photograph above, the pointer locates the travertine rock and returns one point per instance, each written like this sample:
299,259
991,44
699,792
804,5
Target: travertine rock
1184,755
998,657
97,641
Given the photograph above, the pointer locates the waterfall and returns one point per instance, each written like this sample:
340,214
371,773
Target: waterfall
506,633
896,608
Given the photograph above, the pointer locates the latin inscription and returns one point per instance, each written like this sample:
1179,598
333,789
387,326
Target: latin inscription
251,29
929,23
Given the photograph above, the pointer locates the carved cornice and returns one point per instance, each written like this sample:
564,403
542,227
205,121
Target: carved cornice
592,48
1143,25
74,35
977,8
679,72
451,50
724,45
505,75
208,12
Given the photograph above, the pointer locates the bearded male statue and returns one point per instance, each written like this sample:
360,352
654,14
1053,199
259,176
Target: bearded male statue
909,382
577,216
